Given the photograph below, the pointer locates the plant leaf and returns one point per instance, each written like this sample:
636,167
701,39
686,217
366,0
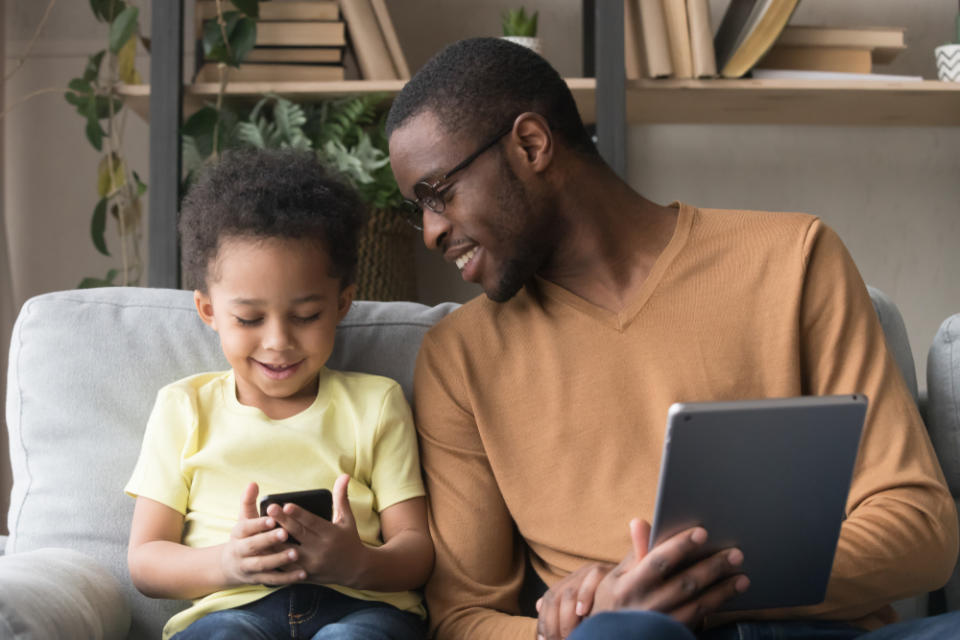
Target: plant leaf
92,70
80,85
249,7
141,187
107,10
93,129
108,184
98,224
123,28
200,128
125,63
241,34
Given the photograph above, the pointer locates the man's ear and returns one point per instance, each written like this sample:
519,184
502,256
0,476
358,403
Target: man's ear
536,140
204,308
344,300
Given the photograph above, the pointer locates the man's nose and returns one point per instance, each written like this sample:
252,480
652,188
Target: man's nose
436,227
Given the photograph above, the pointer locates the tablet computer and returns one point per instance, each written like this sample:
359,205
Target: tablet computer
769,477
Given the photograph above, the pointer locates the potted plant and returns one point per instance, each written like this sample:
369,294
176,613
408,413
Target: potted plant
948,57
346,134
521,28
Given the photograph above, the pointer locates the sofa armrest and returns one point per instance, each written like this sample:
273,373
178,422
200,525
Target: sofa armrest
60,593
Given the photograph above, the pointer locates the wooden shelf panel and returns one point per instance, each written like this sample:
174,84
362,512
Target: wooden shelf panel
195,95
817,102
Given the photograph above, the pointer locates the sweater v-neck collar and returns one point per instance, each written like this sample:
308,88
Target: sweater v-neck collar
620,320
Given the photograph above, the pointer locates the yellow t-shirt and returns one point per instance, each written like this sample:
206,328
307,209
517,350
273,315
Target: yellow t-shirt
201,448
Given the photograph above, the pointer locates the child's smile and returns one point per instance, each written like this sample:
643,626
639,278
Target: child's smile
276,308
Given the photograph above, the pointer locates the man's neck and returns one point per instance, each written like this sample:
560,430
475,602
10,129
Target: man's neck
614,237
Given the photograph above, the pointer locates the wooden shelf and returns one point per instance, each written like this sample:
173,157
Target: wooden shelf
195,95
780,101
817,102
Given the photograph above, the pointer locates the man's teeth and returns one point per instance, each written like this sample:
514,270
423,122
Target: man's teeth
465,258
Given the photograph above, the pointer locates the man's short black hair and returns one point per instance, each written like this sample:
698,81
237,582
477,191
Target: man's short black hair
481,84
260,194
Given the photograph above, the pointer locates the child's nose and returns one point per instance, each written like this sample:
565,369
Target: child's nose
277,336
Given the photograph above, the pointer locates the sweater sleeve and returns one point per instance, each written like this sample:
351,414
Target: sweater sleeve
479,569
899,538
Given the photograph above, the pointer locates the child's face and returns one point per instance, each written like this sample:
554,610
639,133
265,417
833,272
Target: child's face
276,309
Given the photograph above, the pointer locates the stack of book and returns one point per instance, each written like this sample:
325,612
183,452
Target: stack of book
305,41
674,39
668,39
837,49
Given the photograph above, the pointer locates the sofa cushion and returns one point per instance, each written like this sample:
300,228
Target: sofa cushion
85,367
60,593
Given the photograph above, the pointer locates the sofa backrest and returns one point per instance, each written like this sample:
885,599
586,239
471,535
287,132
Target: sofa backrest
943,420
85,367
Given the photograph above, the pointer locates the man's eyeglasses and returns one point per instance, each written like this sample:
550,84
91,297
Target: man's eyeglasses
430,194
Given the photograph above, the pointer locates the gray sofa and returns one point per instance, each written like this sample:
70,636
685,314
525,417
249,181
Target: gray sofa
84,369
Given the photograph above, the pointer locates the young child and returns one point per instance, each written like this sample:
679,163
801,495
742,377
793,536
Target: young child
269,240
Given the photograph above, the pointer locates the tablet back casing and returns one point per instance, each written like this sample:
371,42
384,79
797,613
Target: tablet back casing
770,477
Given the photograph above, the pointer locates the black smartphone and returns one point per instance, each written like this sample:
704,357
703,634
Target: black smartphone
317,501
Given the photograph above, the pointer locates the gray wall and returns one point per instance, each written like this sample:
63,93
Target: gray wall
891,193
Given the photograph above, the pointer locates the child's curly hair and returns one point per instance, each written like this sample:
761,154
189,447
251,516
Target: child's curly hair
259,194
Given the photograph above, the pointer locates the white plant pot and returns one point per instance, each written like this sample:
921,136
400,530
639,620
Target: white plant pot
948,62
526,41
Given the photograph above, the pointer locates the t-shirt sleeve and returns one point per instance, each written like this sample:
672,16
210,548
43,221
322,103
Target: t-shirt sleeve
167,439
395,476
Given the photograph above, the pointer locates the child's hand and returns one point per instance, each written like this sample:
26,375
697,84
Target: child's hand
330,552
257,552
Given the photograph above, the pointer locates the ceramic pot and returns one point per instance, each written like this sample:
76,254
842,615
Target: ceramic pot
530,43
948,62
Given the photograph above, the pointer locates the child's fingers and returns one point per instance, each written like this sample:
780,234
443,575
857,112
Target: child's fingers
342,514
251,527
248,502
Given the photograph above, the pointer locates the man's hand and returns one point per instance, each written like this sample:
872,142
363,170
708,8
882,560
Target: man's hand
256,552
330,552
658,580
566,603
661,580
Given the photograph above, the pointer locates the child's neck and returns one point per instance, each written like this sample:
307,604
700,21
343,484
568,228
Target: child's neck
277,408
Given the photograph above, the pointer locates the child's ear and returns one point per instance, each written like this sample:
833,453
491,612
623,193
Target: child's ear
345,300
204,308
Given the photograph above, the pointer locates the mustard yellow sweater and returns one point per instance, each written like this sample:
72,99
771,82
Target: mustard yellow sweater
541,419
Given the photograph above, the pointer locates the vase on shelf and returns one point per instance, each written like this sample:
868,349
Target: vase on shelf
948,62
526,41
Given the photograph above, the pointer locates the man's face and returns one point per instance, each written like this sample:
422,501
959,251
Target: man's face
491,228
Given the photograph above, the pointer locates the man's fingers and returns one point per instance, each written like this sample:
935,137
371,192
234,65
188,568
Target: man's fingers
567,618
696,581
692,613
587,590
640,537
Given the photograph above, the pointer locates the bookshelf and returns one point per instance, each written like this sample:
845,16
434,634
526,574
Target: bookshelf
608,100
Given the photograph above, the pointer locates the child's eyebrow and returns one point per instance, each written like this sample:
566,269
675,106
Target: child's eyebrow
313,297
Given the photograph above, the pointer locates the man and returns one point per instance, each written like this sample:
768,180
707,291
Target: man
541,407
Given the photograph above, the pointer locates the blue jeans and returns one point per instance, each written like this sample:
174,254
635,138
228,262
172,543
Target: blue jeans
306,611
643,625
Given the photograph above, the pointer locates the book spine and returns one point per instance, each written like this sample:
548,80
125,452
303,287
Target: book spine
701,39
390,36
632,54
368,42
656,50
678,34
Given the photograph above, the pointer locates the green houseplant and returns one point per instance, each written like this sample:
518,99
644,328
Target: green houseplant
520,27
344,133
119,188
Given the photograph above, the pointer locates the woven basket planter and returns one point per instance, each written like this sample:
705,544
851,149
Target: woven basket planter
387,269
